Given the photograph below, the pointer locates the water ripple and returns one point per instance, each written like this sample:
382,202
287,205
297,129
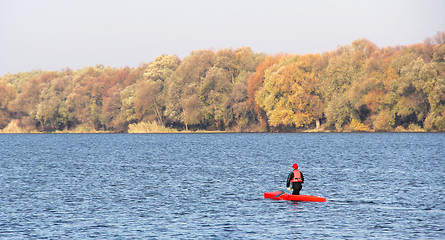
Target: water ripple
210,186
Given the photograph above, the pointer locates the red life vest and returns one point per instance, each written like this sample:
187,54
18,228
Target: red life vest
297,176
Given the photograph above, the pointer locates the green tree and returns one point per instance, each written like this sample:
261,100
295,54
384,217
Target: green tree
347,68
215,92
51,111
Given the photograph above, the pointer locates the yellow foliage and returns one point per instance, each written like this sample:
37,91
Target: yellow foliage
358,126
415,128
288,94
384,121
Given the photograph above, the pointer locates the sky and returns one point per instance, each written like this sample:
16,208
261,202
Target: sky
57,34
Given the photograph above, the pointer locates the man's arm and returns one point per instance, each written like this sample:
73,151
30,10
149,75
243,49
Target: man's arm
291,175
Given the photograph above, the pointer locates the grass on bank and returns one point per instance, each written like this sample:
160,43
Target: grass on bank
14,127
149,127
153,127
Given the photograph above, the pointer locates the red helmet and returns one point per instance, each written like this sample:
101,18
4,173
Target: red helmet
295,166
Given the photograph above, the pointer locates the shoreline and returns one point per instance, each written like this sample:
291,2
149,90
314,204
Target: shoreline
212,132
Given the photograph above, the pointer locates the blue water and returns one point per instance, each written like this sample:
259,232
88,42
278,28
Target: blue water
210,186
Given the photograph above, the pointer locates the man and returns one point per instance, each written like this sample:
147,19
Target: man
296,178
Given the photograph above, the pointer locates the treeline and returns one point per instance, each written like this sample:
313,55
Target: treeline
358,87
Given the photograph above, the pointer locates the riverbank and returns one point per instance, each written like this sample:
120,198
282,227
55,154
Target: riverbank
153,127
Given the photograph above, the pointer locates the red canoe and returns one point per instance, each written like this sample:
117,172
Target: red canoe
301,198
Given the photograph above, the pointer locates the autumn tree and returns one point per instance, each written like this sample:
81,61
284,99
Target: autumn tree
183,84
289,95
347,67
52,112
7,94
150,93
85,101
255,82
358,87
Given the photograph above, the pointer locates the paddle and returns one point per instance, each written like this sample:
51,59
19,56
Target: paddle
281,193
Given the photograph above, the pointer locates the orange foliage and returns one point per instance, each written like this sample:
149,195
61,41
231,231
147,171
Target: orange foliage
357,86
373,99
255,81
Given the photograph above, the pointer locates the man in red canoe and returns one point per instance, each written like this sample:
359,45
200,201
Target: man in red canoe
296,178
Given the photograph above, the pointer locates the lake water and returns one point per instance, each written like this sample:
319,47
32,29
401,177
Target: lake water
210,186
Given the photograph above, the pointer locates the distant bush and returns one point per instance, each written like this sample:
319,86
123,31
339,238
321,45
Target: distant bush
358,126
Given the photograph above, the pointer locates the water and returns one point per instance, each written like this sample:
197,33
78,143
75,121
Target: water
210,186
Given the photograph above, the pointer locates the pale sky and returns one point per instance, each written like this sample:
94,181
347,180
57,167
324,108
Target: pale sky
55,34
